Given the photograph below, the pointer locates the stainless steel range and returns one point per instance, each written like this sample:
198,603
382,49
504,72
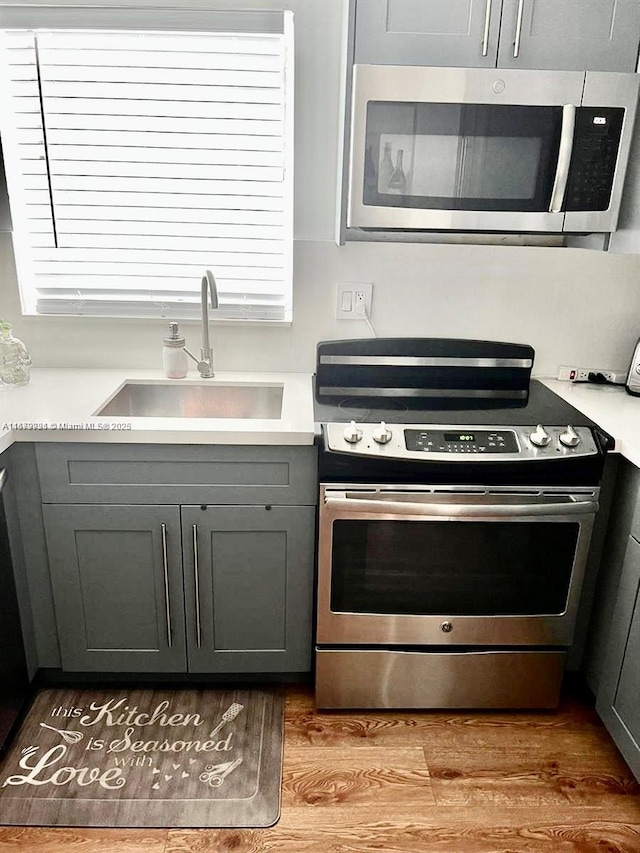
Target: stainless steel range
457,503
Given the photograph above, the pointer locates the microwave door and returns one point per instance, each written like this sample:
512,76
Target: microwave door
451,154
463,165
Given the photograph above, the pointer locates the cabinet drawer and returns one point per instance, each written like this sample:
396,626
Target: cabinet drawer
170,474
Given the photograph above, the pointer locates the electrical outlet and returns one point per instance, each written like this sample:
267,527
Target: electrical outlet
353,300
591,374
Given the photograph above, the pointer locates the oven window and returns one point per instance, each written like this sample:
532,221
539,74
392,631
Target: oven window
461,156
452,568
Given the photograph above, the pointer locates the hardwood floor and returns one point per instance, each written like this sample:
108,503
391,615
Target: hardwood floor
425,782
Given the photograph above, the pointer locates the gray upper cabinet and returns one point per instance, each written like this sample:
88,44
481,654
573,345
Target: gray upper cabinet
572,35
618,702
427,32
117,583
248,587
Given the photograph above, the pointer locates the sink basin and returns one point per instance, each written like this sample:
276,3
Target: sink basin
160,400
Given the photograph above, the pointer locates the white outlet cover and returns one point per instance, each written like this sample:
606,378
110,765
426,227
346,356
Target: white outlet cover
346,296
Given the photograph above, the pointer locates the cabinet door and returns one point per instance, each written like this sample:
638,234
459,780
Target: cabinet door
570,35
117,584
248,587
427,32
618,699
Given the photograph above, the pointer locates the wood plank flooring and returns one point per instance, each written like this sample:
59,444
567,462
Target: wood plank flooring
419,782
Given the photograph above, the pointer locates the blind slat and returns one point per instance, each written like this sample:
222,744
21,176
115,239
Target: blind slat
121,79
68,270
202,158
157,108
142,186
183,285
150,91
128,227
249,248
103,217
171,141
157,200
155,171
220,60
174,43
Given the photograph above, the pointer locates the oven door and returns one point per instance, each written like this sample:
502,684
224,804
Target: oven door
451,566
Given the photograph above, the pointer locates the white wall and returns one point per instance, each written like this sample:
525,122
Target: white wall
571,305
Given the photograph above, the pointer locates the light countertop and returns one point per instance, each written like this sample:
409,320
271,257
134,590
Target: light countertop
617,412
58,404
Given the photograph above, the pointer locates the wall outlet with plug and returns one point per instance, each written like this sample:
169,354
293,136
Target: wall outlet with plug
353,300
591,374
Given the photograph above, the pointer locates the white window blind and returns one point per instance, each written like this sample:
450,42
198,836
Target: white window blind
136,160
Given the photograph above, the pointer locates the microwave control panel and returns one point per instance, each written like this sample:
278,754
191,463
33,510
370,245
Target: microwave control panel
596,141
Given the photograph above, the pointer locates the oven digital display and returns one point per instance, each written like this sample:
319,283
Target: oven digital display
478,442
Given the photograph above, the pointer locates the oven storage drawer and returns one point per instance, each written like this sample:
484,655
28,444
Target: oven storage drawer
384,678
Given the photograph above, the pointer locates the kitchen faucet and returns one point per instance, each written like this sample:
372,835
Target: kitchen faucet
205,362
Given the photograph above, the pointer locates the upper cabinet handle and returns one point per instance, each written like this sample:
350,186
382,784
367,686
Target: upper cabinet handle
516,43
487,22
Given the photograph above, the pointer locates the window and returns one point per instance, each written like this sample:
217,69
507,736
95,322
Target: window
137,159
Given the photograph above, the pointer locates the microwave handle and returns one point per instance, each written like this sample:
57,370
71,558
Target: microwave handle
564,158
398,508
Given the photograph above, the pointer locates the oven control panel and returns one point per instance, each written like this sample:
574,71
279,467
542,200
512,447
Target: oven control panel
444,442
461,441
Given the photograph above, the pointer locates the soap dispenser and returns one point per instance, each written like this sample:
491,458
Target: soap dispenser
15,361
174,357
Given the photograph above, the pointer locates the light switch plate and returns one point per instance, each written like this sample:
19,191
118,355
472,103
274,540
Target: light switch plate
349,296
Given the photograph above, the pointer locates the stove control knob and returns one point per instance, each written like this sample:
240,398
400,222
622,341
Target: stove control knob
352,434
540,437
569,437
382,434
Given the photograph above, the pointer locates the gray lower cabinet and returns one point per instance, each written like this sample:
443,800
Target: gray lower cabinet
618,701
218,589
116,576
248,587
572,35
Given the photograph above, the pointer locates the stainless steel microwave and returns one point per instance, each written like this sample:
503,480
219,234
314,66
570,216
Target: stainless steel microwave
470,149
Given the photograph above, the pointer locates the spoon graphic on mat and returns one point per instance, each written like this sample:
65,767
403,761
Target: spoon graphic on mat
69,737
230,714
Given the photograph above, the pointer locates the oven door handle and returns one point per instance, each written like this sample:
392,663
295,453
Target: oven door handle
497,510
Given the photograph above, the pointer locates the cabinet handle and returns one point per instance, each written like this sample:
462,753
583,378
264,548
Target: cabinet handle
487,21
165,566
196,584
516,43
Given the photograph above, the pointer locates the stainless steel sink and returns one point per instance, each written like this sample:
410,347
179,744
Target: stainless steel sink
160,400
